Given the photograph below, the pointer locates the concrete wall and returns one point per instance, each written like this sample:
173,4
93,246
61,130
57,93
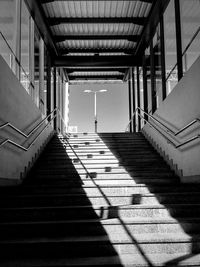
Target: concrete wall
179,108
17,107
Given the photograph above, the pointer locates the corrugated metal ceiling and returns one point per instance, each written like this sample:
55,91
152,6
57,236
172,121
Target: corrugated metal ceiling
115,35
97,9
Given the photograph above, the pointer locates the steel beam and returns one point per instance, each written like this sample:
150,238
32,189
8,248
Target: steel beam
157,9
96,77
69,71
97,20
96,51
97,61
51,1
62,38
37,12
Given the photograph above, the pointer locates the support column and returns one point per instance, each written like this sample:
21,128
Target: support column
130,106
31,59
178,39
153,92
145,94
17,40
54,97
163,70
48,86
138,97
41,75
132,77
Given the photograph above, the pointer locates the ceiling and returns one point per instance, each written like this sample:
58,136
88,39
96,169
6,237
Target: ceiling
96,40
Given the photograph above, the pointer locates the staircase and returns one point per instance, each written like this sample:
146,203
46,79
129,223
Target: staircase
100,200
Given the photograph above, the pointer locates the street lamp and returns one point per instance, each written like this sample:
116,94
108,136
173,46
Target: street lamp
95,104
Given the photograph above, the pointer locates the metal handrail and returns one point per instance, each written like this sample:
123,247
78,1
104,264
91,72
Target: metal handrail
26,135
8,124
169,140
168,129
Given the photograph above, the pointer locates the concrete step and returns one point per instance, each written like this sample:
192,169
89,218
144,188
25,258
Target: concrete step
111,189
98,246
71,181
125,260
94,212
104,173
114,228
98,199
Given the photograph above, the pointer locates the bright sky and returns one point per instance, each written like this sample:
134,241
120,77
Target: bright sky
112,107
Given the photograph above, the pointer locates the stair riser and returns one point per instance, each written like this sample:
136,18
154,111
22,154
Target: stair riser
86,249
93,213
107,170
58,249
126,169
102,182
117,232
92,190
98,200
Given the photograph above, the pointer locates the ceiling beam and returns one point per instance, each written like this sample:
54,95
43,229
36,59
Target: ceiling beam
37,12
57,21
62,38
95,51
97,61
51,1
157,9
121,70
96,77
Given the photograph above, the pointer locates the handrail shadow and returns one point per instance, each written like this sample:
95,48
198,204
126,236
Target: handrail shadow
119,149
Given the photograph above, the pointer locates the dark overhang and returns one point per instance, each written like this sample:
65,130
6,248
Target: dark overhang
94,69
134,20
96,77
97,61
96,51
62,38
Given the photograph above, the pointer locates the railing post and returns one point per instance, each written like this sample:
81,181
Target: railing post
54,97
145,95
138,97
178,39
133,98
48,86
130,106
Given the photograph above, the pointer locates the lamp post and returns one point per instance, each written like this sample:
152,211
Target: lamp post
95,105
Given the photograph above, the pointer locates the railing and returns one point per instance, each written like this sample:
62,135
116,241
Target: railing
166,129
8,124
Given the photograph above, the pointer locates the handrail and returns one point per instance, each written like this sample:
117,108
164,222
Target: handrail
168,129
26,135
88,173
8,124
169,140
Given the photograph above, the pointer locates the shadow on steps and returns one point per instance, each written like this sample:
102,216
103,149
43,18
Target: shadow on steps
41,226
145,166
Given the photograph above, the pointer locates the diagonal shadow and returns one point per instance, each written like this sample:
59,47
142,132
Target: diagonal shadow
50,219
148,168
109,211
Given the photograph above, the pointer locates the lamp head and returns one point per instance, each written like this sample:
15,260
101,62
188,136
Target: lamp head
103,90
87,91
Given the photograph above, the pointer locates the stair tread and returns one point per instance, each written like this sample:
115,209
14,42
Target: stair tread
48,211
116,238
127,260
127,221
99,207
